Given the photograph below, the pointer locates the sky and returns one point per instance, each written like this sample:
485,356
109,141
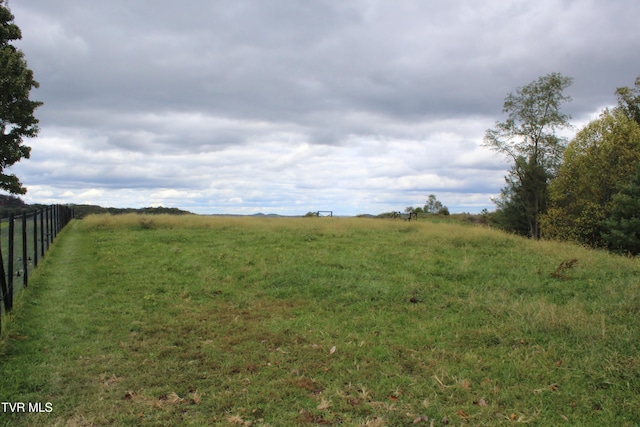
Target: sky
292,106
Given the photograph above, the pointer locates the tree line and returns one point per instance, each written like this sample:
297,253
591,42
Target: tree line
585,190
433,207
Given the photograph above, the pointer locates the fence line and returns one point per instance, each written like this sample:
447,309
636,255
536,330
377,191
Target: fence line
21,249
407,216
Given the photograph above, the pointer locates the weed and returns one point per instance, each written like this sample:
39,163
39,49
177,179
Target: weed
564,265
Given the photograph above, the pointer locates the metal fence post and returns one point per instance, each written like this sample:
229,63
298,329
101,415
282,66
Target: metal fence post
10,262
42,232
51,222
3,289
35,239
48,225
25,256
3,285
55,221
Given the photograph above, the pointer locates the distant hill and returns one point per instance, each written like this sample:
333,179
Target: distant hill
12,204
271,215
80,211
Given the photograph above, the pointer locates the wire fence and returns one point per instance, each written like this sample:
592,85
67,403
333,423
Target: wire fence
24,239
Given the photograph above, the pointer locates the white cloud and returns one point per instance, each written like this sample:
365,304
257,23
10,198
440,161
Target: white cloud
91,194
352,106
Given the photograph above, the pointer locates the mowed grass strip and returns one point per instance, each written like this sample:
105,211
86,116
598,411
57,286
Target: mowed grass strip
159,320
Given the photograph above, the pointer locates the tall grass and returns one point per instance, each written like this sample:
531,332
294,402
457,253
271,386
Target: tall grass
160,320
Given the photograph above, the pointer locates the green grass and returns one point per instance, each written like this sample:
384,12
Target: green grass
139,320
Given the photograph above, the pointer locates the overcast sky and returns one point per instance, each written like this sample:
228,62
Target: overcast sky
290,106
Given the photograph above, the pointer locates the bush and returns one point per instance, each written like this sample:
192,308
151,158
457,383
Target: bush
623,225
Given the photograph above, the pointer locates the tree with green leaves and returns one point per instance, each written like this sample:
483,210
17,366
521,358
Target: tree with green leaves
622,227
435,206
528,139
16,109
411,209
600,159
525,182
629,100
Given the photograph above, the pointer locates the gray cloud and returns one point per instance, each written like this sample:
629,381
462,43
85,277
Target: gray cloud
249,105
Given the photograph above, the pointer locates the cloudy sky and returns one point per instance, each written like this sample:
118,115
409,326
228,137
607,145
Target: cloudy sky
290,106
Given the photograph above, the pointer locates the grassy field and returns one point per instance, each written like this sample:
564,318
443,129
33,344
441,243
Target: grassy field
140,320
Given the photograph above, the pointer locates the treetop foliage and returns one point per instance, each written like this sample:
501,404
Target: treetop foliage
16,109
629,101
600,163
8,30
533,117
528,139
433,206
